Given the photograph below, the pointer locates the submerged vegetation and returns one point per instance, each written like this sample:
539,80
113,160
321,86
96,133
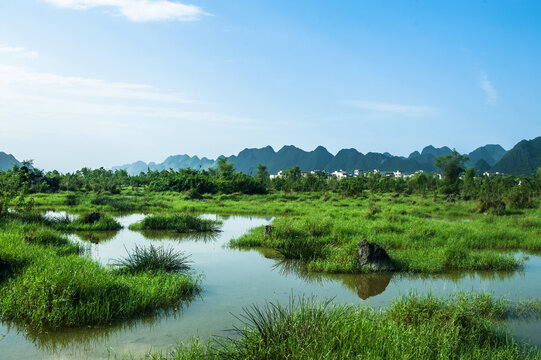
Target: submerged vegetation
413,327
181,223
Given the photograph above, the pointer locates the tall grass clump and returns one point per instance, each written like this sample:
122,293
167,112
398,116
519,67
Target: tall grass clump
45,286
462,326
89,221
154,258
181,223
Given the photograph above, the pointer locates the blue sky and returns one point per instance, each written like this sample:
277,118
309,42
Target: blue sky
107,82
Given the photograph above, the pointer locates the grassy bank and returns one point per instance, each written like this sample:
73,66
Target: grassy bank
428,235
181,223
47,284
328,242
463,326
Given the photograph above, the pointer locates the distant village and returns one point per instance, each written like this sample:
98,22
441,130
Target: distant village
341,174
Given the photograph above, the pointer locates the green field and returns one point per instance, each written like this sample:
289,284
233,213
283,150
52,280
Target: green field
45,283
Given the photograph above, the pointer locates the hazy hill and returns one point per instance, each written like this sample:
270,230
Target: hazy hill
7,161
523,158
490,153
172,162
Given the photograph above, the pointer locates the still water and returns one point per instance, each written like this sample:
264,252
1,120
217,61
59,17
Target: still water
234,279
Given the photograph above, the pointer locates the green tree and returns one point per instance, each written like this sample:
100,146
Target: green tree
451,167
262,175
225,168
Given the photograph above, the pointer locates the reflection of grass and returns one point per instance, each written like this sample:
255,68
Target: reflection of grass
174,235
78,340
97,237
462,326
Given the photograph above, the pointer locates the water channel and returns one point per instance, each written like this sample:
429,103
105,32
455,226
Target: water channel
234,279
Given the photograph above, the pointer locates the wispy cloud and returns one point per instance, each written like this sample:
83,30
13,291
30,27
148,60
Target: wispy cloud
490,91
39,96
18,51
138,10
393,109
25,81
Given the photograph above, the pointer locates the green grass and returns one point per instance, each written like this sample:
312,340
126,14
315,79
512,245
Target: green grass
181,223
323,229
328,242
462,326
49,287
87,221
154,258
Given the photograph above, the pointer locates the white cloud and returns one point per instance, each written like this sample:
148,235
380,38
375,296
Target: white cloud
490,91
18,51
138,10
393,109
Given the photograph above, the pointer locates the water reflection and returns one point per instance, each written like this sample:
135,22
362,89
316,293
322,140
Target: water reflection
74,339
369,285
174,235
365,285
97,237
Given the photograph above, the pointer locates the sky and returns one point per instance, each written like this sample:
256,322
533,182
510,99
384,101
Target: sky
108,82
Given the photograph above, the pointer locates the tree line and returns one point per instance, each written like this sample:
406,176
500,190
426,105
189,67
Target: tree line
224,179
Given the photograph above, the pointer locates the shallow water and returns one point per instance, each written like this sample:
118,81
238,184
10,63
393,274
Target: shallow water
234,279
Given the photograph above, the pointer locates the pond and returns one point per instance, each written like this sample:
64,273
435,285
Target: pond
234,279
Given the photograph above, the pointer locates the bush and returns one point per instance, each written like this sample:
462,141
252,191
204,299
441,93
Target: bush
491,205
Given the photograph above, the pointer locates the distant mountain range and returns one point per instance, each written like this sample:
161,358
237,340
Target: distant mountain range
7,161
523,159
321,159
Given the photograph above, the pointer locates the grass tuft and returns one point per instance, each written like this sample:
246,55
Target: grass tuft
154,258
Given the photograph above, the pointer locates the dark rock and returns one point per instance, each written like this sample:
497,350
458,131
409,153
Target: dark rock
5,269
93,217
268,229
373,256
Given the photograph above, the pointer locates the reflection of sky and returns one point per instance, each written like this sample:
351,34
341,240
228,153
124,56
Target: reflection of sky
234,279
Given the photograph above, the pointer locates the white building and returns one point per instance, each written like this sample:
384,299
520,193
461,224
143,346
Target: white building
340,174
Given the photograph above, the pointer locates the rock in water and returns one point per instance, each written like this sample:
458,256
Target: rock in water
268,229
93,217
373,256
